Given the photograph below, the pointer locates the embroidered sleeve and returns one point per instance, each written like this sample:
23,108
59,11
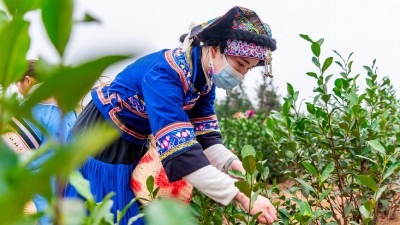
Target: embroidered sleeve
205,121
175,137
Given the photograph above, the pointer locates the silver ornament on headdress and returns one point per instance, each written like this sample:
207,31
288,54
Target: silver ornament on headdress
268,64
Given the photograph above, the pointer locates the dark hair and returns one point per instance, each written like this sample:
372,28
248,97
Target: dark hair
218,37
31,68
210,42
30,71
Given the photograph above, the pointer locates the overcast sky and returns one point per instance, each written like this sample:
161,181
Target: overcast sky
369,28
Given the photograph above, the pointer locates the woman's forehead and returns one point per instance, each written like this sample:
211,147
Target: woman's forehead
246,60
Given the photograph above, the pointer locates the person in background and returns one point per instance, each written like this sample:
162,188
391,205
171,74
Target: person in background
49,115
170,94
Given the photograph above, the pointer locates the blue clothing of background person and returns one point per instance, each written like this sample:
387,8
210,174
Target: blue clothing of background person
48,115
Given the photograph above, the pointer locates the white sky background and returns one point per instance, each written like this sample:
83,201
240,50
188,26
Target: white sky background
369,28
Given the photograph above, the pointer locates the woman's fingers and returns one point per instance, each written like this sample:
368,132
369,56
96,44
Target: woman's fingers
269,218
270,215
264,205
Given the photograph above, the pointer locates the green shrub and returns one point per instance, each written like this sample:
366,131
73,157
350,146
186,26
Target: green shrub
345,150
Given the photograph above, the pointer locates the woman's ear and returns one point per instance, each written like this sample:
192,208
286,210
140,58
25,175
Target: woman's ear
214,51
30,81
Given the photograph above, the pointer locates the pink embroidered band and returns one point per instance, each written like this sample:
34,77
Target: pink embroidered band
244,49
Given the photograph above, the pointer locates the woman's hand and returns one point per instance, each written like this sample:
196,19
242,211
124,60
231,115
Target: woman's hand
237,165
262,204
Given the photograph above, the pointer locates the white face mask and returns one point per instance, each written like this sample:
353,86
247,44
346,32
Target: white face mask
227,78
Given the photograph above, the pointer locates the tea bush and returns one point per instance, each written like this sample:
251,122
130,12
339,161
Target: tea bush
345,151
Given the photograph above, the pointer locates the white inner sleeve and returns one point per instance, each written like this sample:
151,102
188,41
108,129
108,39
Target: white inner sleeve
218,155
213,183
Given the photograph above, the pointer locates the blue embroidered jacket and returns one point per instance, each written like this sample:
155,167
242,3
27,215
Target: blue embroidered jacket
165,94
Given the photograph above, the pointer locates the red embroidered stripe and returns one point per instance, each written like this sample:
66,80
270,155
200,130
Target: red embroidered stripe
172,63
122,126
172,127
102,98
188,107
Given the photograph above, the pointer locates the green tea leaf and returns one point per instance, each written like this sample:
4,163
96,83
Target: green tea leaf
371,160
57,19
391,169
368,181
326,98
240,217
300,218
243,187
102,212
249,164
284,215
316,61
135,218
327,64
290,89
286,108
338,83
253,218
310,168
328,170
380,192
20,7
369,205
81,78
348,207
236,174
254,197
89,18
306,37
319,213
125,209
3,18
92,141
324,194
73,211
248,150
340,64
310,108
377,146
14,45
81,185
305,184
150,183
327,78
351,222
312,74
320,41
316,48
167,212
305,209
353,98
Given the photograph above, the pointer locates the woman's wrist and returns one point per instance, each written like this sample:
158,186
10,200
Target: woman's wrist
228,164
242,199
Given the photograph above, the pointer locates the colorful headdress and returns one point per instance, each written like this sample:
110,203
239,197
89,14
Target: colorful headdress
241,32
